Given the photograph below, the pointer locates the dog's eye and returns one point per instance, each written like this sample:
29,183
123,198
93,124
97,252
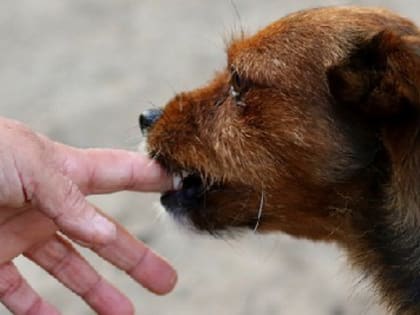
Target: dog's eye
237,87
235,83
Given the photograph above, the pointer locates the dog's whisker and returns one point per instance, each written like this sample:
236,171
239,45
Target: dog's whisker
153,104
153,158
260,210
238,17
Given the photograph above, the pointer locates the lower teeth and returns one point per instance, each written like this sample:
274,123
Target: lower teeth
176,182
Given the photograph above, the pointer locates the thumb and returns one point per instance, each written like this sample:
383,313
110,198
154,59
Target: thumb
62,201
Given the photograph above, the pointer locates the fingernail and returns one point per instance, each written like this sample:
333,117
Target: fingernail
173,280
157,174
105,229
170,280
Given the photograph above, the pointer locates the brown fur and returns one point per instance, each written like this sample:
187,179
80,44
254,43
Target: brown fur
322,142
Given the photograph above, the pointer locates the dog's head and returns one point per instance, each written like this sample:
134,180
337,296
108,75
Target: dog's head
293,135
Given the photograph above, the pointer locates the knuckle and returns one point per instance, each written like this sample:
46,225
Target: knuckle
35,308
10,280
139,263
131,180
72,204
62,261
73,200
91,289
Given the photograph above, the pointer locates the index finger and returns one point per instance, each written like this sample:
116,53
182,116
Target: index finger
97,171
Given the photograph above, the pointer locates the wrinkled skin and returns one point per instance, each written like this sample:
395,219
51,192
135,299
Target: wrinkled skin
43,209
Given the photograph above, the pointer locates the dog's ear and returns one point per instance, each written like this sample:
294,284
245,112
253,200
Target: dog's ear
380,80
381,76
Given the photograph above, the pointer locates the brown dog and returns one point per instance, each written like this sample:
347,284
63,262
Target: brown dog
312,129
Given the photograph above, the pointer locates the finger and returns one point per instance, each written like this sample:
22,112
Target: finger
58,257
106,170
18,296
16,235
140,262
61,200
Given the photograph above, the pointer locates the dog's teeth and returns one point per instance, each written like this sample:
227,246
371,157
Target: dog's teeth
176,182
185,174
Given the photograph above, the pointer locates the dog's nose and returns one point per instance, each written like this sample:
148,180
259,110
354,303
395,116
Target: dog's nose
148,118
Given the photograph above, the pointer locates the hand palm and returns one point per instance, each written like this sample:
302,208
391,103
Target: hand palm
35,213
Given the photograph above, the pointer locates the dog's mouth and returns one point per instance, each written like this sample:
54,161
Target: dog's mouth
187,192
206,204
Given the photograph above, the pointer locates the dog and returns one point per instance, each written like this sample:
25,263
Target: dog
312,129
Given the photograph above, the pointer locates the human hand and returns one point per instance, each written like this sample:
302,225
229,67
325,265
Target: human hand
43,185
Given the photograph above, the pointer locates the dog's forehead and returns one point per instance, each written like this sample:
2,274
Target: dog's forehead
308,40
295,42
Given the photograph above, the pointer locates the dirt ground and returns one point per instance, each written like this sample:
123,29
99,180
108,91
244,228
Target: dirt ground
81,71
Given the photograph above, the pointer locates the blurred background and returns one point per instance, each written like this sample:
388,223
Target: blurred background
81,71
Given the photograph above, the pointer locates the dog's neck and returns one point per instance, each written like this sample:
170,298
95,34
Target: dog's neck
389,252
387,239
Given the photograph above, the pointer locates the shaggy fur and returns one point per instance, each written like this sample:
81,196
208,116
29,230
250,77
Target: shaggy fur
312,129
